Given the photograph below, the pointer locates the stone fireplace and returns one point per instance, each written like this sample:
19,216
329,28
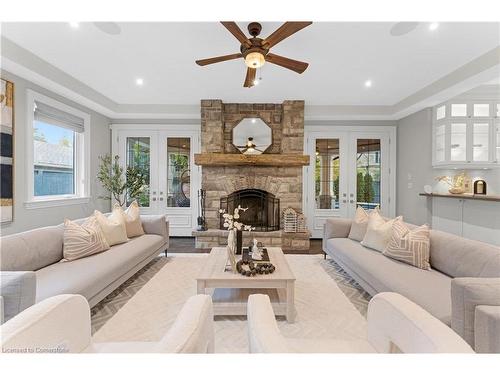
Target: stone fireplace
272,180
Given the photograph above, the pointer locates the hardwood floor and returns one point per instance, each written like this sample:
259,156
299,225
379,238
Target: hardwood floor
186,245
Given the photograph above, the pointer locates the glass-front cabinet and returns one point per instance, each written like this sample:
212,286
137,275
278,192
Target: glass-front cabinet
466,135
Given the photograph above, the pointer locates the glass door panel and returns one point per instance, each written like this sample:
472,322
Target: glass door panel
178,172
368,171
458,142
327,174
138,151
480,142
440,139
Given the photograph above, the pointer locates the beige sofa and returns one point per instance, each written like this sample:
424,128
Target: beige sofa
40,251
454,260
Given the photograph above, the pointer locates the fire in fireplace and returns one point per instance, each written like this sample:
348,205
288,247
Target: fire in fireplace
263,208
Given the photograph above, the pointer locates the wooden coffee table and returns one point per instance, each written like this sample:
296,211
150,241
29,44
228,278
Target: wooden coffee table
230,290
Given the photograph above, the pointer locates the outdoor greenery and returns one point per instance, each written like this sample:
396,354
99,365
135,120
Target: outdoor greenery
365,190
111,177
139,162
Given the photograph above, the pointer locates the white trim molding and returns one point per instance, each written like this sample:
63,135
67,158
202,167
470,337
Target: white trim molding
55,202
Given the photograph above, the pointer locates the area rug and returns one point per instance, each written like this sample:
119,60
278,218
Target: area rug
323,310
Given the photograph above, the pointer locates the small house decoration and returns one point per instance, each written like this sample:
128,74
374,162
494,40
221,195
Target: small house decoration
480,187
301,223
289,220
293,221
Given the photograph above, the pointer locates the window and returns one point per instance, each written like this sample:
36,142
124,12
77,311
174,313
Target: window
56,158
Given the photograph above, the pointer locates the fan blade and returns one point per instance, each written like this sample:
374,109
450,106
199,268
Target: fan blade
284,31
236,31
217,59
285,62
250,77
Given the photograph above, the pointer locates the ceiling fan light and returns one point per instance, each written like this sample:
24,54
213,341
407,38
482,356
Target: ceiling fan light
254,60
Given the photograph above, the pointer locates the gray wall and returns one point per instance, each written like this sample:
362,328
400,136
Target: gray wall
25,219
414,168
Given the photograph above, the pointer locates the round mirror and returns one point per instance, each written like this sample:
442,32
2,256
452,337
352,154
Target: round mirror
252,136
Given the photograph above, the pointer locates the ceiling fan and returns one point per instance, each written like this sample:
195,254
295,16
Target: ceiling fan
255,50
250,147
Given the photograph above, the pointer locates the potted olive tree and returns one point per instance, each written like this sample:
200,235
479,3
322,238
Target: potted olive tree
121,188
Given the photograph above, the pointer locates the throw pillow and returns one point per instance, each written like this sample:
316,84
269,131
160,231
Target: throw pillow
112,226
359,224
410,246
80,241
132,217
378,231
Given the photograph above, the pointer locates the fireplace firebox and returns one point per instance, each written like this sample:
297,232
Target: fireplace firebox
263,209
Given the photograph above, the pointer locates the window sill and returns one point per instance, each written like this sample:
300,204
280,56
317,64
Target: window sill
55,202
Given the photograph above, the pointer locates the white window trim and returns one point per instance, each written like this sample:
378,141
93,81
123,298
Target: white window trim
82,152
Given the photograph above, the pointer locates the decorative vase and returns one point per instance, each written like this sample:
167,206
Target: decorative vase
231,241
239,241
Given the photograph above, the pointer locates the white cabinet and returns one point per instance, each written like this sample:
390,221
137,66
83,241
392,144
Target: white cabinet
466,135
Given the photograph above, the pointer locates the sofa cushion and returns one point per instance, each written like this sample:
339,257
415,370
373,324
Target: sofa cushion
409,246
379,231
460,257
429,289
88,276
81,241
113,226
32,250
359,224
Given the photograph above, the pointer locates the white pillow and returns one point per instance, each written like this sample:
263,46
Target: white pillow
132,217
359,224
112,226
379,231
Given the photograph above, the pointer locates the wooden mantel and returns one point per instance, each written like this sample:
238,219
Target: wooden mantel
265,160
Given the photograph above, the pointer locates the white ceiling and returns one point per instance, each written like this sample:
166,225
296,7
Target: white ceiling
341,57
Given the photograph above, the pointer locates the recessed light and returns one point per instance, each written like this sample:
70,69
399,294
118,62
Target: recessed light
368,83
253,121
433,26
139,82
256,82
74,25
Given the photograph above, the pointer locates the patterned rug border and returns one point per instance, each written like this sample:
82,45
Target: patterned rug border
108,307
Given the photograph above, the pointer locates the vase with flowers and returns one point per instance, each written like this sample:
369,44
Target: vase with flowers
235,229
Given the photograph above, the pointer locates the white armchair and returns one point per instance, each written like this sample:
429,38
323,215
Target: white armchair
395,324
61,324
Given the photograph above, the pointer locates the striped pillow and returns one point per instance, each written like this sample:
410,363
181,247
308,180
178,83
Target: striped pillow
83,240
409,246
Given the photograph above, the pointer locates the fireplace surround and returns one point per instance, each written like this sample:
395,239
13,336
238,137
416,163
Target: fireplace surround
274,176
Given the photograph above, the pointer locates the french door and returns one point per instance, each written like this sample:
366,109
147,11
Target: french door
166,159
349,168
